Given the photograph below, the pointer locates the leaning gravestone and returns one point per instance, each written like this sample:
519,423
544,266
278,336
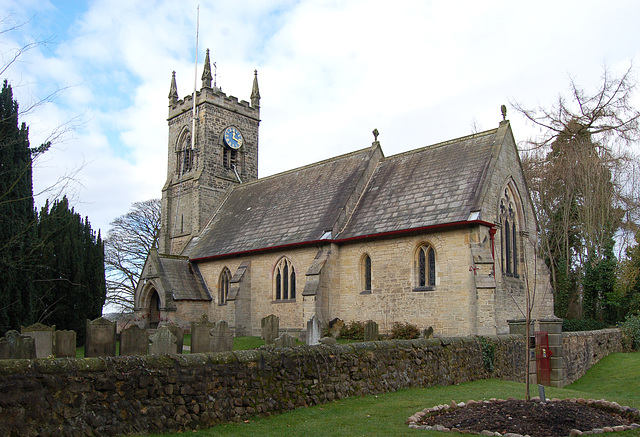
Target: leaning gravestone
285,340
16,346
101,338
163,342
43,336
221,337
371,331
134,341
177,331
314,329
201,335
270,328
64,344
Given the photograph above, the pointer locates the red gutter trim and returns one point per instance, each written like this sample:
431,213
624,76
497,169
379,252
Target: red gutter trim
347,240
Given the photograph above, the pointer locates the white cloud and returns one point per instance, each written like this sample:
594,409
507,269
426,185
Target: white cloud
329,72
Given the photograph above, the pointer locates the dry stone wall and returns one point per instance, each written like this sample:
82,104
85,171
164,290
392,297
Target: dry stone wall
581,350
140,394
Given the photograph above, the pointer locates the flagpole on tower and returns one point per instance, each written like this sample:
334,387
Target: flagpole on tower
195,83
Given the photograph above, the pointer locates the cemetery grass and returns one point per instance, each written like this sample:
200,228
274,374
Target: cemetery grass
614,378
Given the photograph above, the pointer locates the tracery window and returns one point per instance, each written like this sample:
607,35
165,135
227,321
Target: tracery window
425,267
285,280
366,274
223,286
509,235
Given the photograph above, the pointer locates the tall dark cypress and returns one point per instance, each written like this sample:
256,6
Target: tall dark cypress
17,218
72,282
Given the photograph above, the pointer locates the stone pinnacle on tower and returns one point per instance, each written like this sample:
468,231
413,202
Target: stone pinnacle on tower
206,74
173,91
255,94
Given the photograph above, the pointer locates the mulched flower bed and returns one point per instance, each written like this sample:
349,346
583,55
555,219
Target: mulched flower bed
555,418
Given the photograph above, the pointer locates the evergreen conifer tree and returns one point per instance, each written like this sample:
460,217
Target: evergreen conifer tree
72,282
17,218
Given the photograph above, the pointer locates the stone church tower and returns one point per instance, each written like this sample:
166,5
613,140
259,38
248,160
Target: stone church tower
201,167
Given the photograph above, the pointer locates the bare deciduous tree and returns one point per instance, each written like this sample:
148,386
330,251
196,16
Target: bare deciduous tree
126,247
578,173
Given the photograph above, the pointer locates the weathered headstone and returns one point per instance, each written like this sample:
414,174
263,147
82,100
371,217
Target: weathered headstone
328,340
285,340
335,326
177,331
162,342
428,332
314,330
270,328
100,338
16,346
64,344
370,331
221,337
201,335
134,341
43,336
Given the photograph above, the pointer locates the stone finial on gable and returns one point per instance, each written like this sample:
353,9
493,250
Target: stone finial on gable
503,109
206,74
255,93
173,91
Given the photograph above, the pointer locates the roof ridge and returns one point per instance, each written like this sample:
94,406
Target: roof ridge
444,143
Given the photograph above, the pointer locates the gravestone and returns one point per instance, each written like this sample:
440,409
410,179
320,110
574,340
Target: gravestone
177,331
328,340
101,338
221,337
16,346
335,326
428,332
64,344
162,342
285,340
134,341
270,328
370,331
314,330
201,335
43,336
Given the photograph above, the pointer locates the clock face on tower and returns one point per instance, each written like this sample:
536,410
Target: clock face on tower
232,138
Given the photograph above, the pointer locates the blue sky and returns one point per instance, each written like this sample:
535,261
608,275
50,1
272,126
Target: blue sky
420,72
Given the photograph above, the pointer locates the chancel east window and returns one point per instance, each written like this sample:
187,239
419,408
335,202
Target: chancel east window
509,235
285,280
223,286
425,267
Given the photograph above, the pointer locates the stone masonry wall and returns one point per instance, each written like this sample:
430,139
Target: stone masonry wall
581,350
120,395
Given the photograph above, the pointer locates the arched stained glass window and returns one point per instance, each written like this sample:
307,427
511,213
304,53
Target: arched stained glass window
426,267
223,286
285,280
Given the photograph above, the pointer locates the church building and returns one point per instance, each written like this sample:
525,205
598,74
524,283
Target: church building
442,236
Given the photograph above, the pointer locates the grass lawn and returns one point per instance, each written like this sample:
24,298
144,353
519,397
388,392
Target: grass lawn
615,378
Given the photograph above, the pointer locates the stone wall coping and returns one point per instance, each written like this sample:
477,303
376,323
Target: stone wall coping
590,333
132,362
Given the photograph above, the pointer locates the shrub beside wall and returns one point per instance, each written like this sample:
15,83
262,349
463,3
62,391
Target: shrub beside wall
119,395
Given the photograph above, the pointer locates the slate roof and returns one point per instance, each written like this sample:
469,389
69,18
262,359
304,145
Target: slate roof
435,185
431,186
300,205
180,280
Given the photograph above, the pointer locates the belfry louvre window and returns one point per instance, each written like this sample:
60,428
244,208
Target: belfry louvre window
426,267
285,280
223,286
229,157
